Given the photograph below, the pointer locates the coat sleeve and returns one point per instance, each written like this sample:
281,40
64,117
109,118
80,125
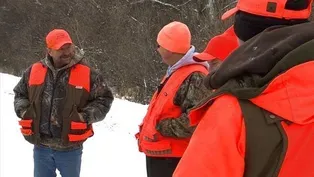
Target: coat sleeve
99,101
217,146
191,91
21,100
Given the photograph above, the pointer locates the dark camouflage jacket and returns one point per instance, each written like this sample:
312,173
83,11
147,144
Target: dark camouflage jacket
189,94
53,97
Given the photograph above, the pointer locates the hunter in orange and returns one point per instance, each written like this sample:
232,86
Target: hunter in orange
260,119
166,130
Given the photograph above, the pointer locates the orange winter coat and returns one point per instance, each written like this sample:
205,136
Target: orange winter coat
218,145
274,71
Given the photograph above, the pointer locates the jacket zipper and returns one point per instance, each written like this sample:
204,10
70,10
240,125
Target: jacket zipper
51,102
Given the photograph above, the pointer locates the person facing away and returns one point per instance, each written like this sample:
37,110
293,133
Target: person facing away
58,99
218,48
259,122
166,130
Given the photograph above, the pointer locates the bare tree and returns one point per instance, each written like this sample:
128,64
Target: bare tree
118,37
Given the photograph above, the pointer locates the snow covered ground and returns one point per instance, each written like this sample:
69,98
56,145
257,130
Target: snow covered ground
111,152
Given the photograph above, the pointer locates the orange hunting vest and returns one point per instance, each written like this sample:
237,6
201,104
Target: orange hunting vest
78,89
161,106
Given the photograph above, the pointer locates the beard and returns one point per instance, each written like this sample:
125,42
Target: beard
64,60
66,57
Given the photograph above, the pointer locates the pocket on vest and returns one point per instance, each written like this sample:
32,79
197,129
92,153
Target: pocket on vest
158,148
78,131
26,127
27,124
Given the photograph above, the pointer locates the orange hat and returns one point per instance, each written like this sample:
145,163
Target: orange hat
269,8
57,38
175,37
219,46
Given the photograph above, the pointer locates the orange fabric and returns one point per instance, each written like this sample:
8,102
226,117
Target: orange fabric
220,46
81,137
160,107
26,132
299,159
269,8
78,125
26,127
57,38
217,147
26,123
80,77
175,37
37,75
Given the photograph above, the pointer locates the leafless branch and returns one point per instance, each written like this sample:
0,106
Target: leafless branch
230,4
97,5
37,2
206,7
137,2
166,4
195,10
136,20
184,3
160,2
76,33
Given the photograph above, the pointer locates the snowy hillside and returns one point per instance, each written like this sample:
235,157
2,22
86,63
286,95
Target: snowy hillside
112,152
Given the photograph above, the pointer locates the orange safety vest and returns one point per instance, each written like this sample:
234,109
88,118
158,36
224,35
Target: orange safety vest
151,142
73,130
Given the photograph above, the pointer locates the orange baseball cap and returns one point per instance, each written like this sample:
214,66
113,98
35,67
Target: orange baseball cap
219,46
269,8
175,37
57,38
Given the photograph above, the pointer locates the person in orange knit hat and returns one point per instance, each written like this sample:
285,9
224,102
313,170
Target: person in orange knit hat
166,130
259,122
58,99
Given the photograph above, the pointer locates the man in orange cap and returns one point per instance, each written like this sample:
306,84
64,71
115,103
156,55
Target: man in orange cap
58,99
260,119
218,48
166,130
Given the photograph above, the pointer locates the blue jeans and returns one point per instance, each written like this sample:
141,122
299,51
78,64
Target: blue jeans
46,161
